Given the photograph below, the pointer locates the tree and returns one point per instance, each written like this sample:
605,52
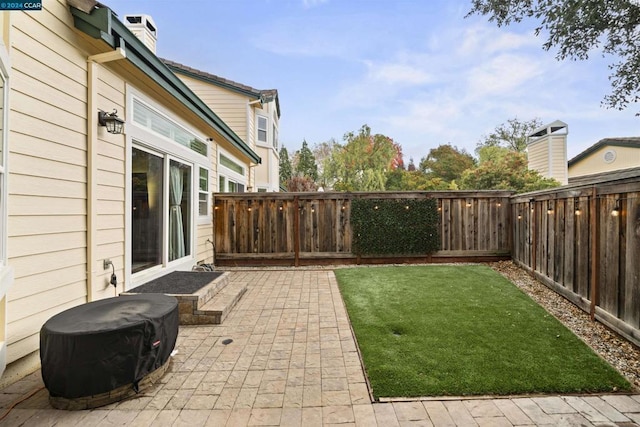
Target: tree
511,135
446,162
412,165
323,153
301,183
285,165
306,165
363,161
508,172
577,28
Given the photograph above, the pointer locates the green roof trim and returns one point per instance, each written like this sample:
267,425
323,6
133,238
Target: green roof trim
633,142
104,25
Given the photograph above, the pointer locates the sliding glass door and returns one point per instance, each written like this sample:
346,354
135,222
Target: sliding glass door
147,194
161,194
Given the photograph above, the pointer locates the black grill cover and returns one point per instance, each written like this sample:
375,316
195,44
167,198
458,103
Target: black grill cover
97,347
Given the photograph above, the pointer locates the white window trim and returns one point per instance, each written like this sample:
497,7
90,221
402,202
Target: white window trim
275,126
258,142
228,173
145,139
207,218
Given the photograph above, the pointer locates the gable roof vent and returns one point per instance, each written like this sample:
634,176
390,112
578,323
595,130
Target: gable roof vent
143,27
609,156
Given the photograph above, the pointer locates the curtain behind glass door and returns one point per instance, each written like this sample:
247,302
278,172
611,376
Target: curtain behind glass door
179,210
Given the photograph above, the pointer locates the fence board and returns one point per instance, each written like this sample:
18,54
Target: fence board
568,243
582,273
631,267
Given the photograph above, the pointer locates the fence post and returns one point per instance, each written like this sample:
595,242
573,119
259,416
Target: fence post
595,259
534,237
296,231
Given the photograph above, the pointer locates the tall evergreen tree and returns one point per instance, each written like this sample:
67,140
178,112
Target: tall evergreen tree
285,165
307,163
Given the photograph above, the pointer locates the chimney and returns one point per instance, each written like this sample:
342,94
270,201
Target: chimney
547,151
143,27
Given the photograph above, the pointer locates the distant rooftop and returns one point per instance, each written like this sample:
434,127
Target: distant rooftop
633,141
265,94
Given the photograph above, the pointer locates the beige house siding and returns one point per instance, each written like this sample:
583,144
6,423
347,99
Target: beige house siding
47,167
109,199
230,107
625,157
538,154
559,159
204,250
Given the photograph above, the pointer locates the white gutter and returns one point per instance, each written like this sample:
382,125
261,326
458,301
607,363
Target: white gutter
92,156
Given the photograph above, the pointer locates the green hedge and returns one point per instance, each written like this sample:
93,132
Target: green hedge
395,227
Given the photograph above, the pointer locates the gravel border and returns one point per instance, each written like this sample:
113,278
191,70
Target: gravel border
615,349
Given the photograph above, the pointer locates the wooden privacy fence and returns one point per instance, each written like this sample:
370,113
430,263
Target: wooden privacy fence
314,228
583,241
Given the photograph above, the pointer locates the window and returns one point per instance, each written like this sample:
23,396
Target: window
203,193
275,137
275,130
150,119
230,186
231,175
230,164
262,129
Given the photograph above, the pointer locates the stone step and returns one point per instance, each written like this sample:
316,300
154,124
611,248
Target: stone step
206,293
211,303
219,307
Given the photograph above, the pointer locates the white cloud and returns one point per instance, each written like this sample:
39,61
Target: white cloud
312,3
502,75
398,73
486,40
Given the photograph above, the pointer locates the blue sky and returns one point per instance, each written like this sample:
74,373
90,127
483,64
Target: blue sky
414,70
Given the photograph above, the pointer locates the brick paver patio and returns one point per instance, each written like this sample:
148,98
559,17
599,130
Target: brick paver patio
293,361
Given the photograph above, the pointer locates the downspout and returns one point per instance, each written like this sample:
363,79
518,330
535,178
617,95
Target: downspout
249,116
92,155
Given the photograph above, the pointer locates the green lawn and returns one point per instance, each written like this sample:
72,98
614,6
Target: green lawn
463,330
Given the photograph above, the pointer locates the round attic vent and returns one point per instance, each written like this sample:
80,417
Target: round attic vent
609,156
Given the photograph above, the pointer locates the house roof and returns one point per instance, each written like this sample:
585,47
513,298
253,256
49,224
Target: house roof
633,142
103,24
265,94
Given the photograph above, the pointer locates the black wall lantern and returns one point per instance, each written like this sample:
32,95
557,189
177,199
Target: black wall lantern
113,123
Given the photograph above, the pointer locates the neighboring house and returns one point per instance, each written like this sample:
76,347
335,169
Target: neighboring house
253,114
606,155
73,195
